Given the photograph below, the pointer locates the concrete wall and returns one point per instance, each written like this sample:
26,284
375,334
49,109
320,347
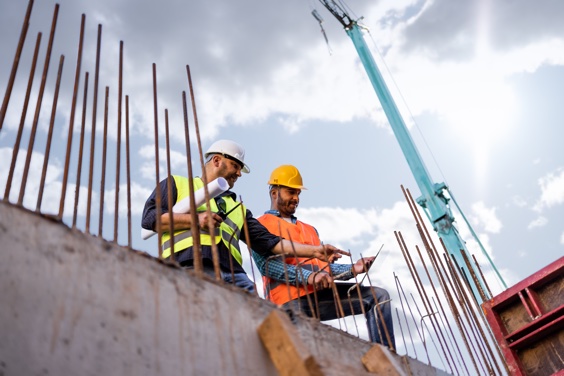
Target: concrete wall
74,304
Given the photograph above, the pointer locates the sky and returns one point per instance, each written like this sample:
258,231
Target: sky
479,84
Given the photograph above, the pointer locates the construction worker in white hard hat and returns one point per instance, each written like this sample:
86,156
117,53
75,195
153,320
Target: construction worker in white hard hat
289,285
226,159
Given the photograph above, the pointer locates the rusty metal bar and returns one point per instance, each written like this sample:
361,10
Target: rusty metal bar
16,148
476,326
158,188
451,304
430,248
464,304
71,118
195,225
128,169
80,150
420,288
441,273
474,276
380,314
118,148
93,130
398,285
15,65
430,306
38,105
103,169
198,264
50,134
424,326
248,243
482,275
169,188
402,335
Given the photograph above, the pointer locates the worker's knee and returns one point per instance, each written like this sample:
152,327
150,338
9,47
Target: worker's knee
381,294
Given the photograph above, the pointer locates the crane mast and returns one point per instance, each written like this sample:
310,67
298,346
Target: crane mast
432,199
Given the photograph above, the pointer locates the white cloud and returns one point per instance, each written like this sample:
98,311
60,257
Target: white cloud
539,222
485,217
519,201
562,238
139,195
552,190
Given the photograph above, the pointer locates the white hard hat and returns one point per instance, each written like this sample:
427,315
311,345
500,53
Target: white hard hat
231,150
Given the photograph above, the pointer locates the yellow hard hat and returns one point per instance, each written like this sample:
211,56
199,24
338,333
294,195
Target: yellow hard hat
288,176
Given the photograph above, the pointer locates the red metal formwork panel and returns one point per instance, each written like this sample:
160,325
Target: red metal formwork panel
527,321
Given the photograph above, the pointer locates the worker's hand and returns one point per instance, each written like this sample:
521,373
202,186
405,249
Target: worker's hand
329,253
320,280
363,265
204,220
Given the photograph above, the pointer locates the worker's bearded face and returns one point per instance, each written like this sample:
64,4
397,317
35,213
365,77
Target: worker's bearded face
230,170
287,201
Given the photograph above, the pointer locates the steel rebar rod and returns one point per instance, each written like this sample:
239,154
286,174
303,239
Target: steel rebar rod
80,151
50,134
248,239
16,63
157,165
195,225
169,189
71,117
482,275
432,251
93,129
128,170
197,252
103,169
464,308
445,277
299,269
473,276
118,141
424,326
16,148
431,307
380,314
38,105
420,288
480,337
402,335
397,283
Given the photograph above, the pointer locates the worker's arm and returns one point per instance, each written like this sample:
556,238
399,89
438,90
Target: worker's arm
184,221
273,267
265,243
325,252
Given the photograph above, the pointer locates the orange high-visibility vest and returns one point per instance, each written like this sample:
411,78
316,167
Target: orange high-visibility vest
277,291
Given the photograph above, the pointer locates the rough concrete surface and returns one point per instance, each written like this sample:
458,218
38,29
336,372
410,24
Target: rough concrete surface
75,304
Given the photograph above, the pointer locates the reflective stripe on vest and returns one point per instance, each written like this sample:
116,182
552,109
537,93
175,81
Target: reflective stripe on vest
229,231
277,291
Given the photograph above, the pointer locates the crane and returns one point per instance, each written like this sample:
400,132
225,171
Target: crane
433,199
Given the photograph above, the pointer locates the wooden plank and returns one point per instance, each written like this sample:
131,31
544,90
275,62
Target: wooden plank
288,353
378,360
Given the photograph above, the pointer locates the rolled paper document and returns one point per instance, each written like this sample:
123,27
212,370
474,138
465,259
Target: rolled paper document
215,188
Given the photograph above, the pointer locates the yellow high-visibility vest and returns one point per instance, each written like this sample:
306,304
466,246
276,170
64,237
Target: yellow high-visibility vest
229,231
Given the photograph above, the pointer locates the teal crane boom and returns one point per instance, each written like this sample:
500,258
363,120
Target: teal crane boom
432,199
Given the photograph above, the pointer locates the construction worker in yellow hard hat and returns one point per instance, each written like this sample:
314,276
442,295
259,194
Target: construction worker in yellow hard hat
288,176
288,285
224,227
